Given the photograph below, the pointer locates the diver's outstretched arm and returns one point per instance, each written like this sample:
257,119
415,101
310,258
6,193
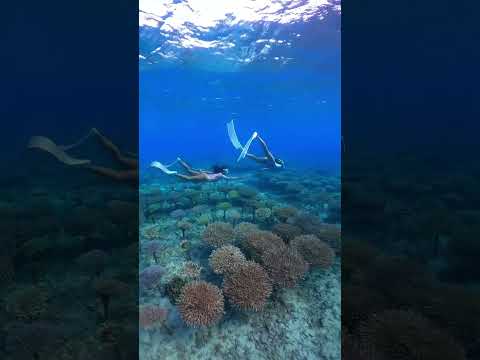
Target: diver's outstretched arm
198,177
231,177
132,163
267,151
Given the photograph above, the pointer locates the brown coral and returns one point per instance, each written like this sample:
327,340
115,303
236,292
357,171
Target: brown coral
226,259
258,242
248,287
218,234
314,251
243,229
331,234
285,266
286,231
201,304
284,213
309,223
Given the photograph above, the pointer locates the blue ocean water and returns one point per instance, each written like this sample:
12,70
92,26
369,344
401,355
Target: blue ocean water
290,94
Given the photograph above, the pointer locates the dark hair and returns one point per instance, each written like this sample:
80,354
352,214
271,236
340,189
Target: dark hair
219,168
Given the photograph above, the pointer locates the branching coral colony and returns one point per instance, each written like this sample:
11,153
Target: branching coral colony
266,246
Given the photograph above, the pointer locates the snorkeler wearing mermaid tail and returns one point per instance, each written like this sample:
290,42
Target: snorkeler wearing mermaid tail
269,160
218,172
59,152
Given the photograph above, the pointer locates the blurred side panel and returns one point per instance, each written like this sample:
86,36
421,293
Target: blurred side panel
410,194
68,244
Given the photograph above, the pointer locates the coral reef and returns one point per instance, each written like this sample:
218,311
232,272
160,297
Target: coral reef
286,231
201,304
151,316
285,213
204,219
331,234
263,214
152,232
313,250
191,270
218,234
224,206
243,229
184,225
248,286
153,248
174,287
226,259
150,276
285,266
258,242
240,238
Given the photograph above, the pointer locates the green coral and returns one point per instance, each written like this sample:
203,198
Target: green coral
203,219
224,206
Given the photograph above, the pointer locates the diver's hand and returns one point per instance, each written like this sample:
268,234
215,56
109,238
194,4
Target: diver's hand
155,164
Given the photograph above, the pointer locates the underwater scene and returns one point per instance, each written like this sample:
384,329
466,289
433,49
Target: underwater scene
69,192
240,153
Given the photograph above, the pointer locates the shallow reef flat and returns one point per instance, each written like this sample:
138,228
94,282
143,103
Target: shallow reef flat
241,269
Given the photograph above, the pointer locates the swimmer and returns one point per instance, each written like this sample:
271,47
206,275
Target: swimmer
269,160
197,175
130,174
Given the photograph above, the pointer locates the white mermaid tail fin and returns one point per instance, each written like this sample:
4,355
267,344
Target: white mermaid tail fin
159,165
58,151
233,136
247,146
